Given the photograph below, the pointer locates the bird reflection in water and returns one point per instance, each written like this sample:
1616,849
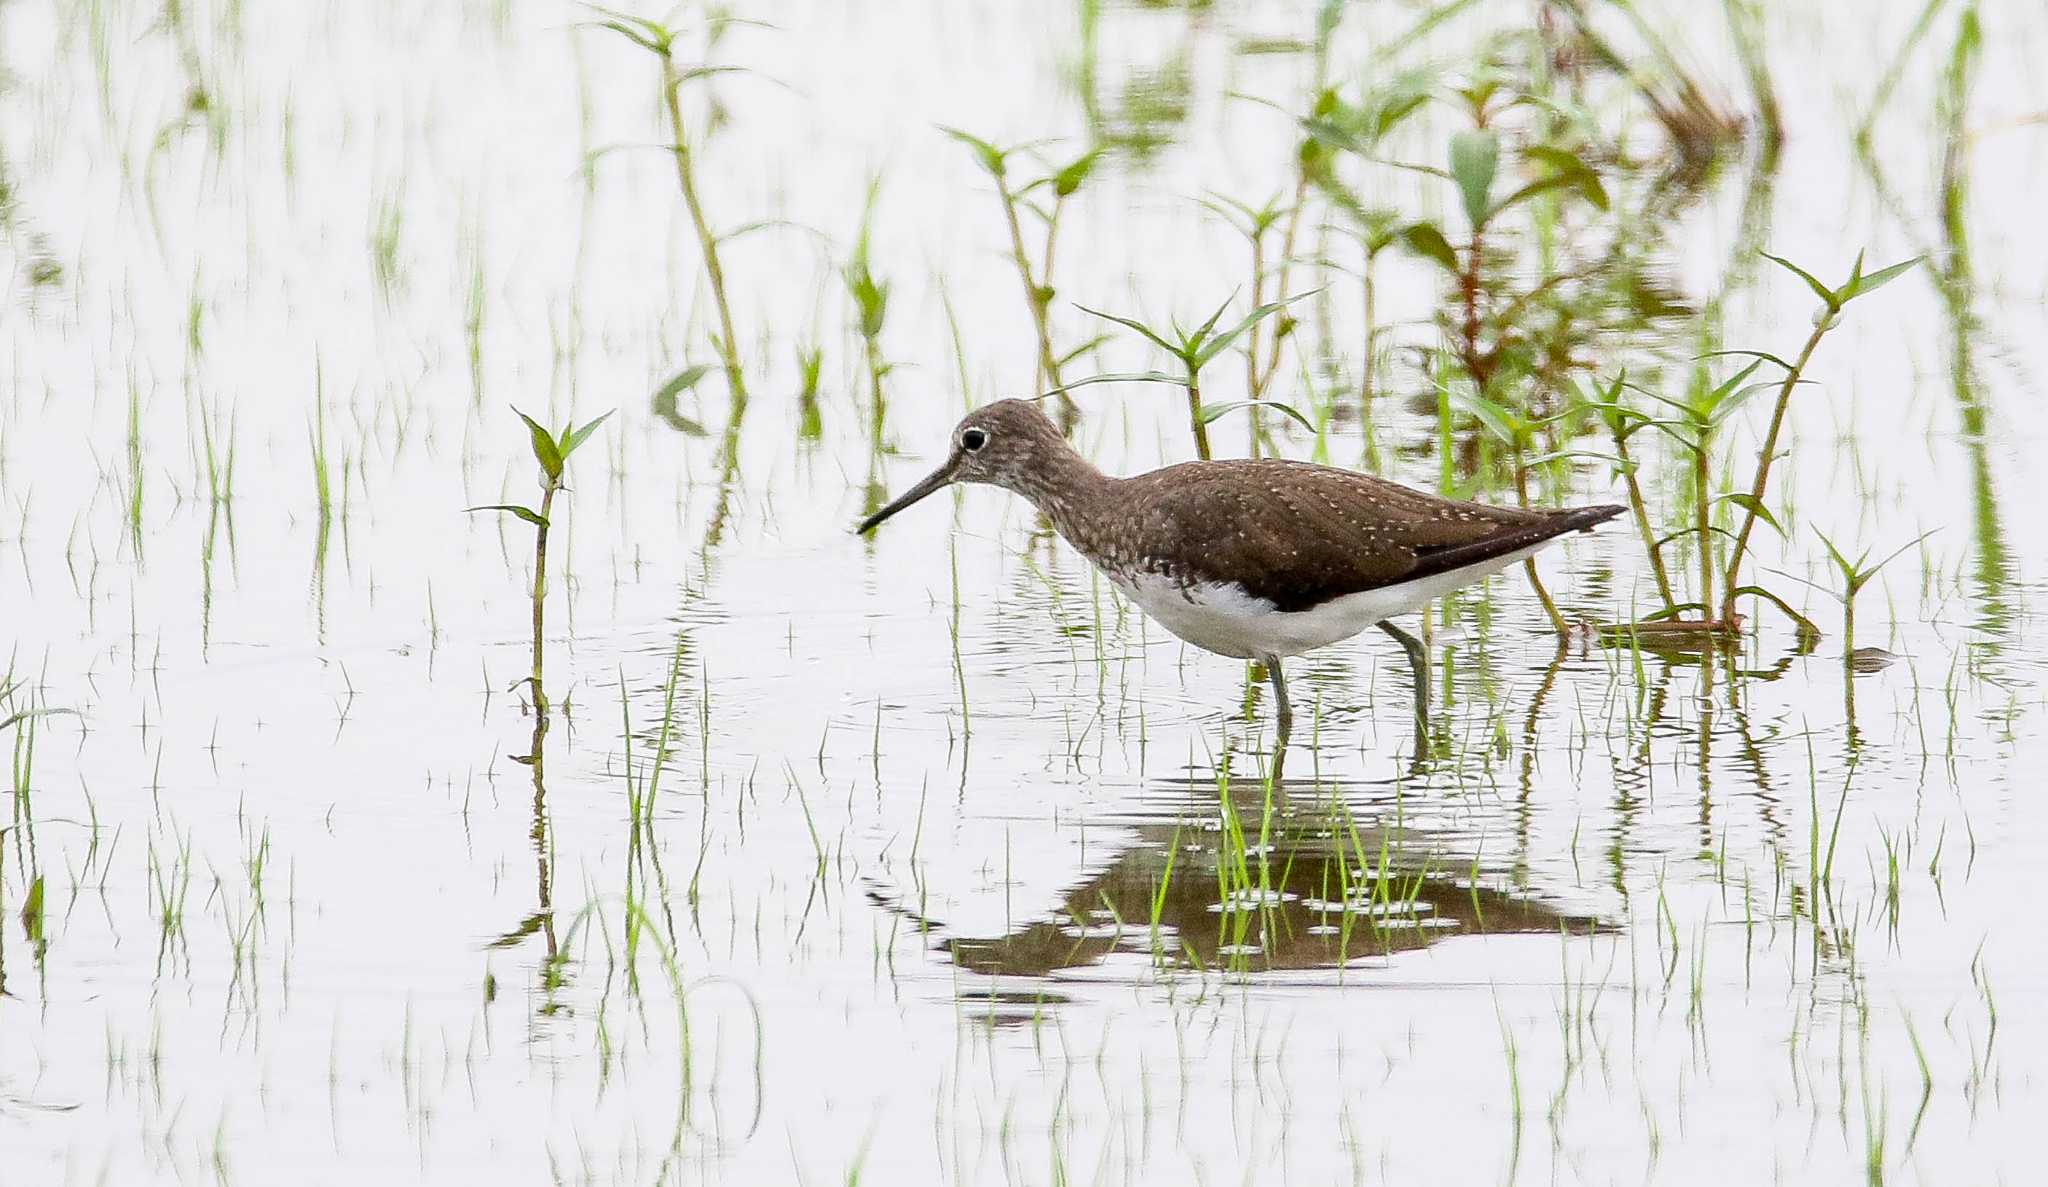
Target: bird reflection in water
1194,889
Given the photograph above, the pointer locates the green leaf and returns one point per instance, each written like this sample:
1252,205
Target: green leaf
664,401
623,31
1726,408
32,911
1856,574
1842,562
1620,466
1389,113
1568,167
1560,160
26,714
1893,555
1070,176
1668,402
1754,354
1139,326
1426,241
1826,294
992,158
1541,185
1210,412
1222,341
532,923
526,513
571,440
1750,503
1694,531
1859,285
544,449
1808,632
1673,611
1721,392
1257,219
1497,419
1475,157
1684,433
697,72
1082,349
724,237
1191,344
649,35
1122,377
1335,135
653,28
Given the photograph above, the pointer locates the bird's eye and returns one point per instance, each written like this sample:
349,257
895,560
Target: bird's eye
973,439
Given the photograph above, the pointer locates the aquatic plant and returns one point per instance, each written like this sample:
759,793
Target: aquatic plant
1193,350
660,40
1059,182
551,451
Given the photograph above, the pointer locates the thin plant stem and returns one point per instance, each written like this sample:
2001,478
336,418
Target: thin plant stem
1288,234
1702,500
729,343
1365,380
1052,240
540,593
1036,297
1557,621
1731,582
877,409
1201,430
1253,384
1468,286
1641,511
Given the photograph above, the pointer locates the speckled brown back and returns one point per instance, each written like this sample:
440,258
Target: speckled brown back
1294,533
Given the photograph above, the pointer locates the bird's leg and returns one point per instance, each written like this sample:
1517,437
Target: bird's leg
1418,665
1285,711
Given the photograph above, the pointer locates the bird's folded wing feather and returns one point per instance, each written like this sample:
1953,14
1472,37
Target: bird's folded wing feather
1299,535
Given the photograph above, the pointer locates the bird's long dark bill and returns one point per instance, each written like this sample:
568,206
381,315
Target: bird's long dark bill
933,481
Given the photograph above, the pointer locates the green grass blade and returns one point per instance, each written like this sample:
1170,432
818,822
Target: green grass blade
1134,324
1222,341
1121,377
526,513
1211,412
1826,294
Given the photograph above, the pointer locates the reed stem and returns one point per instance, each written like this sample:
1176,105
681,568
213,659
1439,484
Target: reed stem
1731,582
540,593
728,343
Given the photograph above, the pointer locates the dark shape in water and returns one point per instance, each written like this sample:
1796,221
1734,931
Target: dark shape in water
1296,921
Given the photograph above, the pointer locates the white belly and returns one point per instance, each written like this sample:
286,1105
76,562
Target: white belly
1223,618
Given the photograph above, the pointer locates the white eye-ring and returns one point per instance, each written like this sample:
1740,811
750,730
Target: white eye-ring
972,440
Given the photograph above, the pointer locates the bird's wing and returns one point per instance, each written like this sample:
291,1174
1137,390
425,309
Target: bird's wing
1299,535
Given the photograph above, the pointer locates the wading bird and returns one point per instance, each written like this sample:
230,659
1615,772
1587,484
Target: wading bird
1257,558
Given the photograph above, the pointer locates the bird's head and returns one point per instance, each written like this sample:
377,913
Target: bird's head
1007,444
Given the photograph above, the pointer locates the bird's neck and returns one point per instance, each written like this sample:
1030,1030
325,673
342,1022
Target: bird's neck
1067,490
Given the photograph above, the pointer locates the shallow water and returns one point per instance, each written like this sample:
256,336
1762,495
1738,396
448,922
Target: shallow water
952,868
